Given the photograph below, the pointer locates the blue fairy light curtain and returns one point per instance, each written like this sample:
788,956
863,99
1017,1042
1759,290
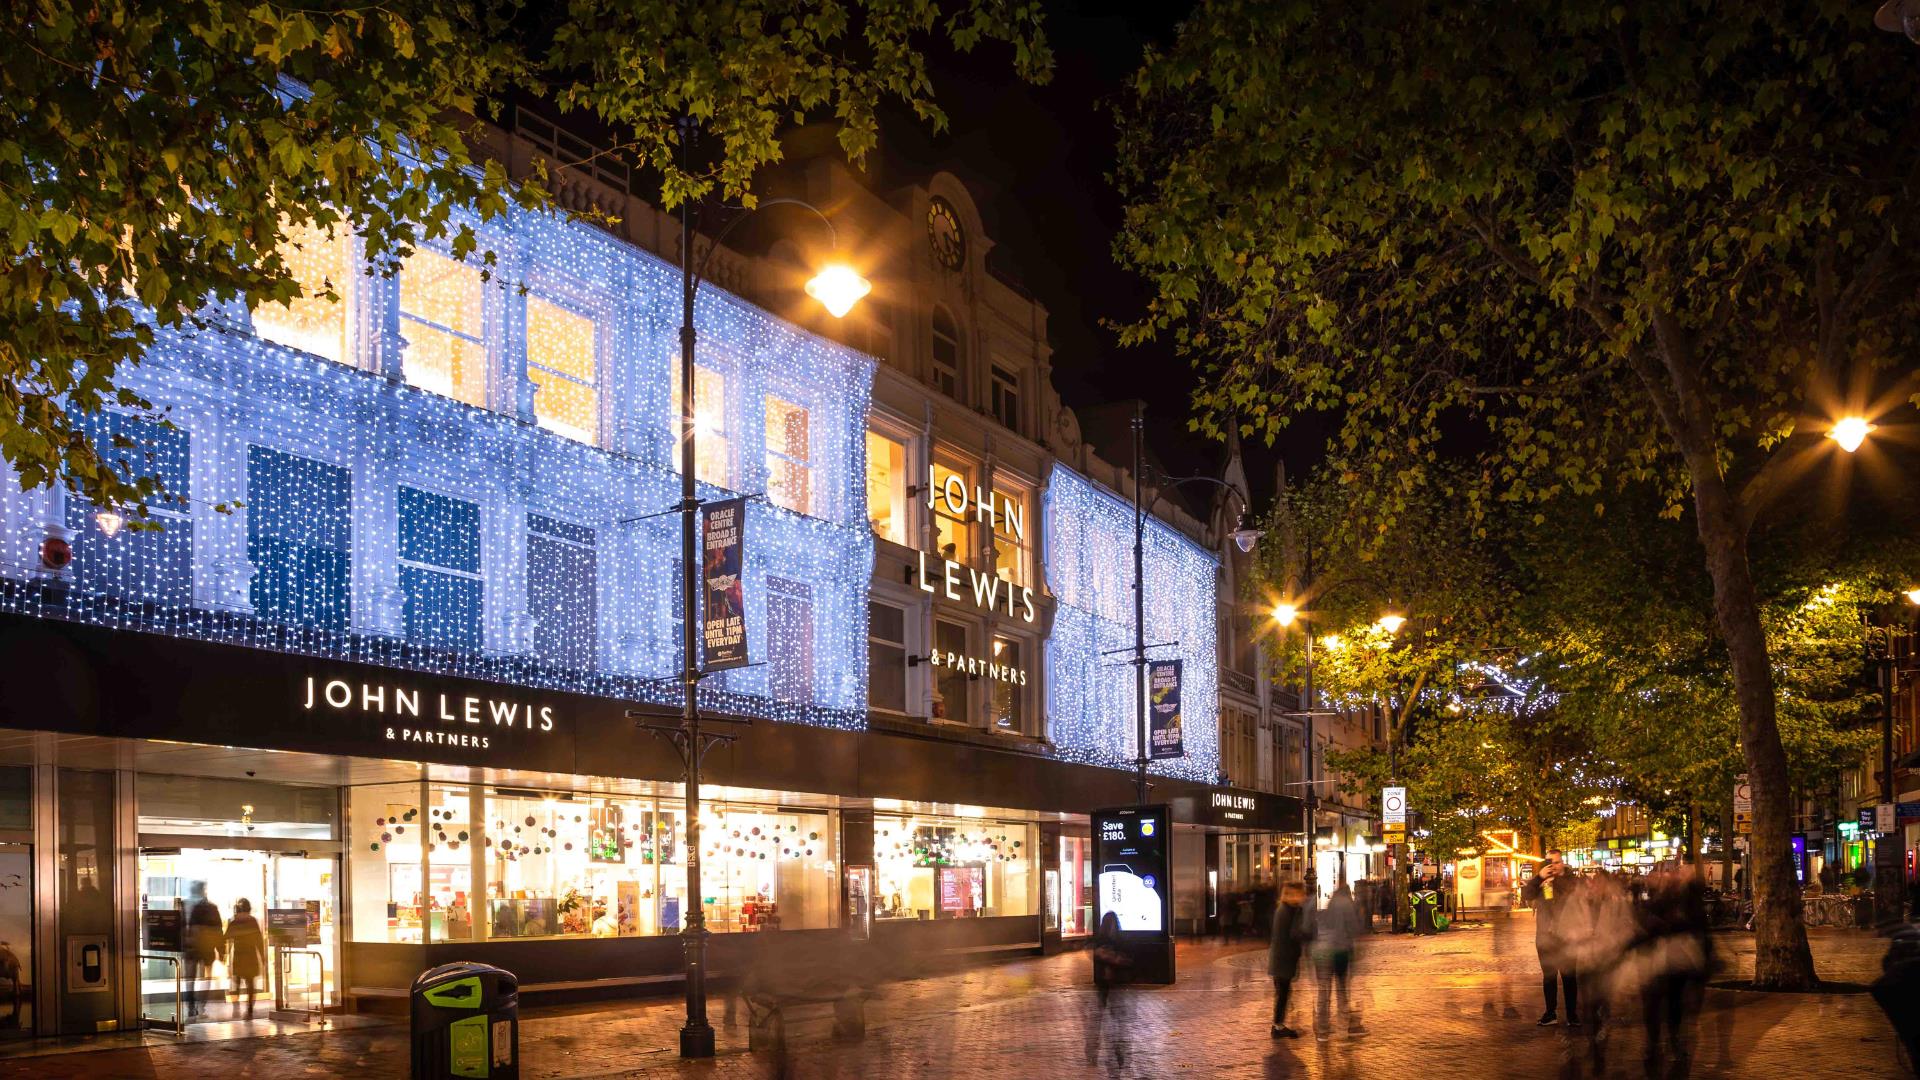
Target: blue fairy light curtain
1091,712
444,473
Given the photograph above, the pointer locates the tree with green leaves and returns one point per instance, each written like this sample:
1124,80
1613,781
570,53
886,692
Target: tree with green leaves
158,156
1597,245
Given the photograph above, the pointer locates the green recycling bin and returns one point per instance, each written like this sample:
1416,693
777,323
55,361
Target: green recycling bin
466,1023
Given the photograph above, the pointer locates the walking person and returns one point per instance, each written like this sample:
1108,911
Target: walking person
1112,970
206,940
246,951
1550,891
1676,953
1287,935
1334,929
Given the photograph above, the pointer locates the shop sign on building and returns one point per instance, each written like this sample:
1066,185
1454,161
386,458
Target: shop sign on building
954,580
723,619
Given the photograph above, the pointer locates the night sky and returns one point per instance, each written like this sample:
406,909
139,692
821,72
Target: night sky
1038,159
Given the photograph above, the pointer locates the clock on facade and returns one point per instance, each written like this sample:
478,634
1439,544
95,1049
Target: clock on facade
944,234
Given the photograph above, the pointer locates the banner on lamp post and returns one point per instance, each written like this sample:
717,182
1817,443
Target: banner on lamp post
723,618
1165,737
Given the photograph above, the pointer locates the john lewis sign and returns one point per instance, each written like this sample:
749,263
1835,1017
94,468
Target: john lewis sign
946,577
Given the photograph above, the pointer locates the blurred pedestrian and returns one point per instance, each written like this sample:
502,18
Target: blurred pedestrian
246,952
1597,928
1287,935
1112,970
206,939
1549,891
1334,929
1674,952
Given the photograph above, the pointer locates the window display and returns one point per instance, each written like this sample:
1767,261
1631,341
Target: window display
952,868
576,864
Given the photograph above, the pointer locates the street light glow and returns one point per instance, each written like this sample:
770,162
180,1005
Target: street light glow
1391,622
1913,596
1850,432
838,287
1286,613
1333,643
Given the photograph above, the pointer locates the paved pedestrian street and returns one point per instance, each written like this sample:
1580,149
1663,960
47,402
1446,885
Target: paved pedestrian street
1458,1004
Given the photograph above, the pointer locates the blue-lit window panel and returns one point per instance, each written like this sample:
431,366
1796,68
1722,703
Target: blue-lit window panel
136,566
562,592
789,640
439,568
138,446
298,538
436,530
442,609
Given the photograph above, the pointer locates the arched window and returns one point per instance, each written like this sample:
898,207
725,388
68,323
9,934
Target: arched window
946,353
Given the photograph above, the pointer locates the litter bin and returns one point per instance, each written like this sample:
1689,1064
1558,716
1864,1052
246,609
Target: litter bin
466,1023
1426,911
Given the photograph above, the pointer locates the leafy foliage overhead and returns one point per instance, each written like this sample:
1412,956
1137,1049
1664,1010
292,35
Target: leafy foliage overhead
156,156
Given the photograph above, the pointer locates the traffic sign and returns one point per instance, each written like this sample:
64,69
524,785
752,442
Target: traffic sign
1394,834
1742,796
1393,806
1883,818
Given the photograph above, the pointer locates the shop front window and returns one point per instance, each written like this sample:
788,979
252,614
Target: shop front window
953,868
442,317
385,850
789,456
1012,554
563,365
952,686
887,487
320,259
1076,886
952,528
1009,694
710,439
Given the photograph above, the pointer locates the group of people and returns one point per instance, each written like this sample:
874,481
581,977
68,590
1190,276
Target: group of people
238,941
1602,944
1325,935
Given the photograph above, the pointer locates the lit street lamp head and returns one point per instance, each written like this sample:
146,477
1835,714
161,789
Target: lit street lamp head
1285,614
1391,622
838,287
1913,596
1850,432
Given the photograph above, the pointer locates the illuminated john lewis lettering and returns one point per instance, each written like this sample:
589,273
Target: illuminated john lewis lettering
339,695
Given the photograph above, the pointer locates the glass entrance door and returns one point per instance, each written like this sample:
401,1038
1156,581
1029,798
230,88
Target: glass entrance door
207,885
307,881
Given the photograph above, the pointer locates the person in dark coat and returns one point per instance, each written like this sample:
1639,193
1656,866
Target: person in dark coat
206,940
1112,970
246,951
1550,892
1286,936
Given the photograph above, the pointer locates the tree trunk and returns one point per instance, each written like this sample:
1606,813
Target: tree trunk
1693,838
1781,960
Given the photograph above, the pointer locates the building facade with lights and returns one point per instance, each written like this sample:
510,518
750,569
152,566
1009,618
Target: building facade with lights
374,662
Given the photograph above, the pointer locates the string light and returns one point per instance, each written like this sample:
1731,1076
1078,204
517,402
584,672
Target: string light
384,523
1090,693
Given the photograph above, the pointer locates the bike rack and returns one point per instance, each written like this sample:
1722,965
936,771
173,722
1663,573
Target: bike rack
179,1021
281,1005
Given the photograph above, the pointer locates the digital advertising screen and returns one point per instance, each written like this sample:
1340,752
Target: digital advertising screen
1133,849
